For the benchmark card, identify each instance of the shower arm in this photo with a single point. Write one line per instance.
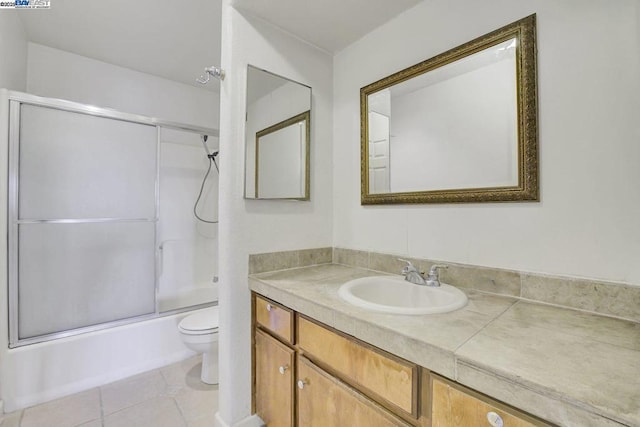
(216, 72)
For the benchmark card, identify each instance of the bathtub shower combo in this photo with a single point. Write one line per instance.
(112, 220)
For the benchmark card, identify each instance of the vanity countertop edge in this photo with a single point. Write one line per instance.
(567, 366)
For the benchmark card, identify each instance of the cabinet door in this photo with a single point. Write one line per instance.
(454, 406)
(274, 388)
(325, 401)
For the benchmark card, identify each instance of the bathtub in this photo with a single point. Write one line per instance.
(45, 371)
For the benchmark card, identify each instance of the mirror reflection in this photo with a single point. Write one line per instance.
(277, 139)
(458, 127)
(462, 114)
(281, 159)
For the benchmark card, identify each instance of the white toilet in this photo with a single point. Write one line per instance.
(199, 331)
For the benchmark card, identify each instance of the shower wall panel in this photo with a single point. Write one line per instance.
(188, 256)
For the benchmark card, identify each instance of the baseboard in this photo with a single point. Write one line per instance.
(250, 421)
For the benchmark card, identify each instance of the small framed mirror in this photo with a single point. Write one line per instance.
(278, 137)
(459, 127)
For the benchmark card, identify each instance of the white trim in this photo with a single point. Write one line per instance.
(250, 421)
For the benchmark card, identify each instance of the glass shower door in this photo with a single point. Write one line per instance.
(83, 213)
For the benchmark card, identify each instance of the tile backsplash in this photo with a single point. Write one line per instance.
(259, 263)
(607, 298)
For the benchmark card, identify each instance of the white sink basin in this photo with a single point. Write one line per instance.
(391, 294)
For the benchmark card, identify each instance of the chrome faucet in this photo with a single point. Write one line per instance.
(411, 274)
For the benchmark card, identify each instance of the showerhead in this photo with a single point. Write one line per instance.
(204, 138)
(211, 155)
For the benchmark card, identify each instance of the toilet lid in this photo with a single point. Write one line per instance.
(203, 321)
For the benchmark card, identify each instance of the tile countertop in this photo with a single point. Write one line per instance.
(569, 367)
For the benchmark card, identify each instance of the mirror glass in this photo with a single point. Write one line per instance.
(459, 127)
(277, 139)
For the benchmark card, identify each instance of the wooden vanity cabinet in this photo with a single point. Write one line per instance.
(308, 374)
(454, 405)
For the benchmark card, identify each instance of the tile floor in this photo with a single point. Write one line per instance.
(172, 396)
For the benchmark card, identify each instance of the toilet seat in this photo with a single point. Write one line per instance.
(202, 323)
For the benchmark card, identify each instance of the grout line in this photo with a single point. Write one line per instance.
(166, 383)
(101, 407)
(496, 317)
(521, 283)
(456, 360)
(581, 310)
(184, 419)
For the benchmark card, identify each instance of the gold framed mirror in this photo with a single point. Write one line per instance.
(458, 127)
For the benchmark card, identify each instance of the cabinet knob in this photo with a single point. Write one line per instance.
(269, 307)
(494, 419)
(283, 369)
(301, 384)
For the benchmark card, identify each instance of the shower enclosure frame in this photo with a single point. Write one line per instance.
(15, 100)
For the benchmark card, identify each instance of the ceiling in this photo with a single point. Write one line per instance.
(329, 24)
(158, 37)
(177, 39)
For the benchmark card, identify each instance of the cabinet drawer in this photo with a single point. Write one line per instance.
(325, 401)
(383, 376)
(274, 377)
(456, 406)
(274, 318)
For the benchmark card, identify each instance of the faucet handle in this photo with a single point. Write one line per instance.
(432, 278)
(407, 268)
(433, 271)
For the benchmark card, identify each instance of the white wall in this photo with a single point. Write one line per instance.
(252, 226)
(58, 74)
(13, 51)
(586, 223)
